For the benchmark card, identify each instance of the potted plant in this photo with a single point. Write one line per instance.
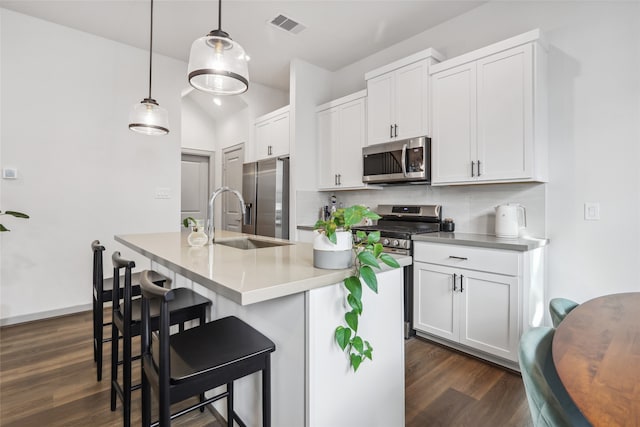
(197, 237)
(367, 253)
(14, 214)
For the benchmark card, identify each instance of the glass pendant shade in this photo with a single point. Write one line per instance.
(218, 65)
(148, 118)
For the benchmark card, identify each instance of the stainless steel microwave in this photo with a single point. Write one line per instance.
(397, 162)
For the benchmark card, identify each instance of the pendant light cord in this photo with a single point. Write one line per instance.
(150, 48)
(219, 15)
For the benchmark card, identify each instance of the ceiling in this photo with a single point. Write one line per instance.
(337, 33)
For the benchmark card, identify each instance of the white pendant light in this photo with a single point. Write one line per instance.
(217, 64)
(148, 117)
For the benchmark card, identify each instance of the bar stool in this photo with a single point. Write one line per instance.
(103, 293)
(559, 308)
(191, 362)
(126, 321)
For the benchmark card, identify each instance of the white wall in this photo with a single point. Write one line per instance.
(83, 175)
(198, 128)
(594, 132)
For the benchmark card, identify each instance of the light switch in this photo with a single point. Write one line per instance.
(163, 193)
(592, 211)
(9, 173)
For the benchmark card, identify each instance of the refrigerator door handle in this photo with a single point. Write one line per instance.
(247, 216)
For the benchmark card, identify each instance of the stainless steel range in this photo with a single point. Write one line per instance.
(397, 225)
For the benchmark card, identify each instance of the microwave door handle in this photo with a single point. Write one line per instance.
(404, 159)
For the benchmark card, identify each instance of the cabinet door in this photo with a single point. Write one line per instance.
(435, 306)
(327, 127)
(380, 95)
(453, 145)
(263, 136)
(489, 313)
(280, 135)
(411, 100)
(505, 114)
(350, 140)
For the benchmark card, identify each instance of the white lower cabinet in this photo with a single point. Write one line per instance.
(484, 311)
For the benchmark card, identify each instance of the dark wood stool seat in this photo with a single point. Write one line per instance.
(103, 293)
(191, 362)
(126, 321)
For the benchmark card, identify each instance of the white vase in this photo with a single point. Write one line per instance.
(197, 237)
(332, 256)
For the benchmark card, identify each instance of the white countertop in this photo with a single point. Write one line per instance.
(244, 276)
(521, 244)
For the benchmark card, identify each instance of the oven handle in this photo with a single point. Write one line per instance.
(404, 159)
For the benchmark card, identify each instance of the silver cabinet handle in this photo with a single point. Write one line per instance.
(335, 179)
(472, 164)
(339, 179)
(461, 279)
(390, 131)
(455, 277)
(458, 257)
(396, 130)
(404, 159)
(479, 168)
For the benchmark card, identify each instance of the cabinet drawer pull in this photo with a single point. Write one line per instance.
(396, 130)
(479, 168)
(455, 277)
(458, 257)
(472, 164)
(461, 279)
(390, 131)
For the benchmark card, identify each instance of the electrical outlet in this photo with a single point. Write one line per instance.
(163, 193)
(592, 211)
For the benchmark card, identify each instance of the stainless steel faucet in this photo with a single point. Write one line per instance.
(210, 230)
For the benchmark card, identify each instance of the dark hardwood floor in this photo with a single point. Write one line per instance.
(47, 378)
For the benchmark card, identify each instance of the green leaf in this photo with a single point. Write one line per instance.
(355, 303)
(373, 237)
(370, 214)
(352, 283)
(356, 360)
(367, 258)
(3, 228)
(343, 336)
(389, 260)
(377, 250)
(17, 214)
(367, 354)
(361, 235)
(331, 233)
(369, 278)
(357, 343)
(320, 224)
(352, 320)
(368, 345)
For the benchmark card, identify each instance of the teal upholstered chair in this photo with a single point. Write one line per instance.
(559, 308)
(549, 402)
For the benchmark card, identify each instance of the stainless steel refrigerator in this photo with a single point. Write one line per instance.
(265, 189)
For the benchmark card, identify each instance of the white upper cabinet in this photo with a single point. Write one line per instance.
(398, 98)
(272, 134)
(340, 138)
(489, 114)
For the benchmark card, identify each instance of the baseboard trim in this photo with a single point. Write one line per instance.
(24, 318)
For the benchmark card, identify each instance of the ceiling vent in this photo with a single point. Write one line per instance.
(287, 24)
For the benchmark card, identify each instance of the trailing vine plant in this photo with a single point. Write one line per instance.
(368, 254)
(13, 214)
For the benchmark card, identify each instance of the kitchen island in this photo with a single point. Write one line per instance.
(277, 290)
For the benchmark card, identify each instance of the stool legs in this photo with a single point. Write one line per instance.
(114, 364)
(97, 335)
(230, 404)
(146, 400)
(266, 393)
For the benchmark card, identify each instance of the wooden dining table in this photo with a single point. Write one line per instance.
(596, 351)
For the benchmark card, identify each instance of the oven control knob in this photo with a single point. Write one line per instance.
(396, 243)
(407, 244)
(385, 242)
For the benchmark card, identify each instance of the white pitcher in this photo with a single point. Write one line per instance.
(511, 220)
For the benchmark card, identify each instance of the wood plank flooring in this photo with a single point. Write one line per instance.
(47, 378)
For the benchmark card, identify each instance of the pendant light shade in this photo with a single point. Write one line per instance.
(217, 64)
(147, 117)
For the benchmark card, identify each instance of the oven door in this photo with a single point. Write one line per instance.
(396, 162)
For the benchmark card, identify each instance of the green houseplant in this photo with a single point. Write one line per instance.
(368, 254)
(197, 237)
(14, 214)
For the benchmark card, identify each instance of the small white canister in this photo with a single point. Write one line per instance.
(333, 256)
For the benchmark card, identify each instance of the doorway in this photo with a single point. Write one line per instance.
(232, 160)
(196, 183)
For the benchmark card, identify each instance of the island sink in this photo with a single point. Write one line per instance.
(246, 243)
